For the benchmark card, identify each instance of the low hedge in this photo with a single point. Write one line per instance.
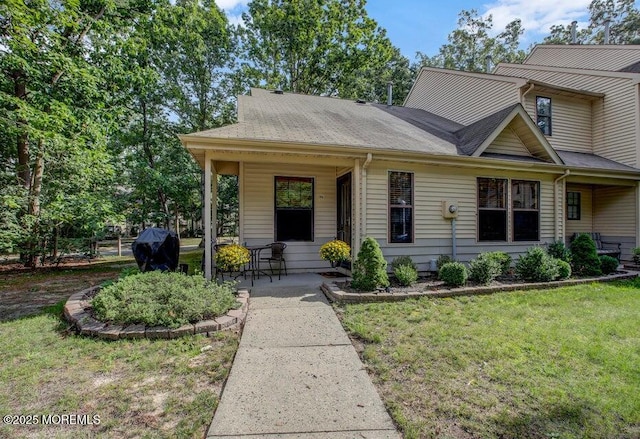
(163, 299)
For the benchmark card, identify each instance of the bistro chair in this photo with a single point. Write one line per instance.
(277, 255)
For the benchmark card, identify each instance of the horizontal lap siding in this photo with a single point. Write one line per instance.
(613, 127)
(432, 231)
(570, 122)
(585, 224)
(258, 208)
(463, 99)
(598, 58)
(508, 142)
(614, 216)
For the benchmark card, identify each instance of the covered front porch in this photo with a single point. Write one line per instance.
(301, 200)
(605, 206)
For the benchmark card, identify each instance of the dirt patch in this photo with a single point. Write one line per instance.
(25, 292)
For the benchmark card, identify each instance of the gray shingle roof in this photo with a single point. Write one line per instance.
(313, 120)
(591, 161)
(466, 138)
(317, 120)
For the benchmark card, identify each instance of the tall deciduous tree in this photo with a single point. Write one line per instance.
(471, 43)
(321, 47)
(624, 25)
(51, 103)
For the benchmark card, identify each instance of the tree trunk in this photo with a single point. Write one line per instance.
(34, 204)
(23, 170)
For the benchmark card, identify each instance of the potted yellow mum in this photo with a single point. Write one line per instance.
(335, 251)
(232, 257)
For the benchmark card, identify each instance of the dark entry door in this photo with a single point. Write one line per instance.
(344, 208)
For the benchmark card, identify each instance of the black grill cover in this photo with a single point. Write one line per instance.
(156, 249)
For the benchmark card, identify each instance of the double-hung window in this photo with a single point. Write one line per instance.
(293, 209)
(543, 114)
(494, 209)
(400, 206)
(526, 210)
(573, 206)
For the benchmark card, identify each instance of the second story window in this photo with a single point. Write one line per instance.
(543, 114)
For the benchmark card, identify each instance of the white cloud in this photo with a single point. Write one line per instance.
(538, 15)
(229, 5)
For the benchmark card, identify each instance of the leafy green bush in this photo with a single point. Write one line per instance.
(636, 255)
(502, 258)
(443, 259)
(370, 268)
(162, 299)
(454, 274)
(564, 269)
(406, 274)
(558, 250)
(537, 266)
(484, 269)
(403, 260)
(608, 264)
(585, 260)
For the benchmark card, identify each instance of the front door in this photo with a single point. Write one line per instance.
(344, 208)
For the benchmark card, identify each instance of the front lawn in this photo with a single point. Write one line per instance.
(137, 388)
(561, 363)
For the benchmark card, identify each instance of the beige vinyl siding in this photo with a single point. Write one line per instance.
(432, 232)
(585, 224)
(461, 98)
(593, 57)
(508, 142)
(570, 121)
(614, 216)
(614, 211)
(613, 129)
(258, 208)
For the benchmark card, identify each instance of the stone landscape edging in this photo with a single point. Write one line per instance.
(335, 294)
(77, 307)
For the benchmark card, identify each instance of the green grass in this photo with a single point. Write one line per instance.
(562, 363)
(138, 388)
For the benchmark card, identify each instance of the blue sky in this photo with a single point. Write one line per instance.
(423, 25)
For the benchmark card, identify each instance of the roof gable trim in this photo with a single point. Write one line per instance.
(519, 112)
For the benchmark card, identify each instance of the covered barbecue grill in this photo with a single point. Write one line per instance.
(156, 249)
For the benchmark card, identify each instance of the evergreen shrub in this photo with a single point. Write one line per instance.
(370, 268)
(585, 261)
(453, 274)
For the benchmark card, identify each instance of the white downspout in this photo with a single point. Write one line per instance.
(365, 165)
(357, 209)
(556, 235)
(531, 87)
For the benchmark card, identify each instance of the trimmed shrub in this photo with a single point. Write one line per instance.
(537, 266)
(502, 258)
(484, 269)
(608, 264)
(406, 275)
(585, 260)
(163, 299)
(370, 268)
(558, 250)
(636, 255)
(564, 269)
(443, 259)
(453, 274)
(403, 260)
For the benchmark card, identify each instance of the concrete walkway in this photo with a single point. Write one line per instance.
(296, 373)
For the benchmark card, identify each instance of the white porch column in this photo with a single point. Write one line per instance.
(210, 215)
